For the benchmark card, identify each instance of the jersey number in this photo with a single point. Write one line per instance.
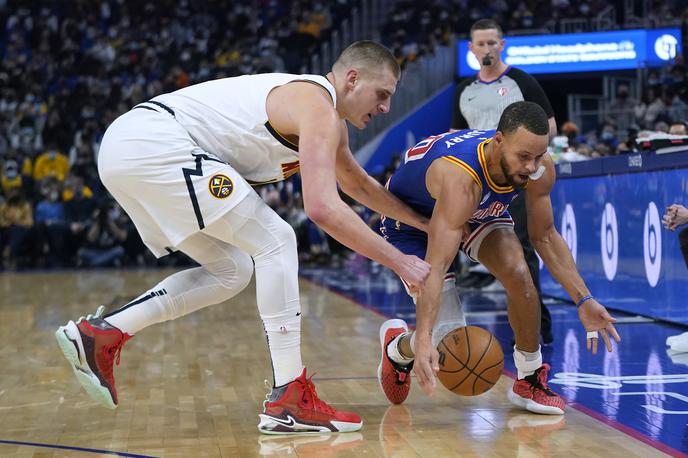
(422, 147)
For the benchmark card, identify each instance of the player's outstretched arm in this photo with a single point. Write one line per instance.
(456, 197)
(306, 111)
(357, 184)
(555, 254)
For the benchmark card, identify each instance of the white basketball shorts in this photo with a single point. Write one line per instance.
(166, 183)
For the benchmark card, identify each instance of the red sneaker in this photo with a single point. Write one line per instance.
(533, 394)
(394, 379)
(296, 408)
(92, 346)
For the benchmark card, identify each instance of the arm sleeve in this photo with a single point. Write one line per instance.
(532, 91)
(458, 121)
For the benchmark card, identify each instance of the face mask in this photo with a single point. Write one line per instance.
(54, 195)
(607, 135)
(653, 81)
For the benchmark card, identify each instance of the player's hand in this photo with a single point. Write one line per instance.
(669, 218)
(597, 321)
(676, 215)
(413, 271)
(426, 364)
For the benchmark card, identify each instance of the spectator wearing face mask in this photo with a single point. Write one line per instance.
(621, 108)
(608, 137)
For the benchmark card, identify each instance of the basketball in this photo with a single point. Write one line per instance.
(471, 361)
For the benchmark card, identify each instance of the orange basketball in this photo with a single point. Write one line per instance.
(471, 361)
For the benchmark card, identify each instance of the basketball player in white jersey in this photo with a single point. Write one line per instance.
(182, 165)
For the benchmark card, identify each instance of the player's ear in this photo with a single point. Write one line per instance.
(499, 137)
(352, 77)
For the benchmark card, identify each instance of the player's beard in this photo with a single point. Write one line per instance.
(487, 60)
(508, 176)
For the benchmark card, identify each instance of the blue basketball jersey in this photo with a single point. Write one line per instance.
(464, 149)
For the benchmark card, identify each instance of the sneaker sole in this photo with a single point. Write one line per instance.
(69, 341)
(532, 406)
(394, 323)
(272, 426)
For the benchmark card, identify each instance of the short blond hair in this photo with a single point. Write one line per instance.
(367, 55)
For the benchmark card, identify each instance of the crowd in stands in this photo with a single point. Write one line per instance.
(69, 68)
(662, 108)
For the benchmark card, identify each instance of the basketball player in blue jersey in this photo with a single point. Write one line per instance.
(464, 182)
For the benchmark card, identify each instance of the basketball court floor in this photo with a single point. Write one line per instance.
(194, 387)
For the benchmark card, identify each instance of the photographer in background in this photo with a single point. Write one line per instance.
(105, 238)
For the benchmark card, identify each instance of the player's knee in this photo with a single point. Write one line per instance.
(233, 274)
(284, 239)
(244, 271)
(518, 280)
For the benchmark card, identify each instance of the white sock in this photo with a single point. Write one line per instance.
(527, 362)
(394, 353)
(283, 332)
(271, 242)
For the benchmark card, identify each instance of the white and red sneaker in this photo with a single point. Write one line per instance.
(92, 346)
(394, 379)
(295, 408)
(533, 394)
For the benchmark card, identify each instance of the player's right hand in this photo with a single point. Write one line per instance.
(426, 365)
(413, 271)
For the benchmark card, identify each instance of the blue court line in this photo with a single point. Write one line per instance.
(78, 449)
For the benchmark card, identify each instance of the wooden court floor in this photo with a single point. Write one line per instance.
(194, 387)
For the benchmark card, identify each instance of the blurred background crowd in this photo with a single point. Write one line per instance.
(69, 68)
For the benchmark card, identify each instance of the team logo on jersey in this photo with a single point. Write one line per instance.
(220, 186)
(502, 91)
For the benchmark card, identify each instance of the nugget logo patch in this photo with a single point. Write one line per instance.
(220, 186)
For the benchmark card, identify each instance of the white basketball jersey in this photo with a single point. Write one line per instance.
(228, 118)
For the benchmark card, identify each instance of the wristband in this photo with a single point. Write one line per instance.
(583, 299)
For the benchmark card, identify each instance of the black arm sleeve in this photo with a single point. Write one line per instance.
(531, 89)
(458, 121)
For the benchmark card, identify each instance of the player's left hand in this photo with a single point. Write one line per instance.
(597, 321)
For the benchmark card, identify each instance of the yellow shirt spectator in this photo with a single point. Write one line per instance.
(19, 213)
(51, 164)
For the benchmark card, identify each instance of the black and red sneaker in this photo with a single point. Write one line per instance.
(295, 408)
(92, 346)
(394, 378)
(533, 394)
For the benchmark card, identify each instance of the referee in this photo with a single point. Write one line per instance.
(478, 104)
